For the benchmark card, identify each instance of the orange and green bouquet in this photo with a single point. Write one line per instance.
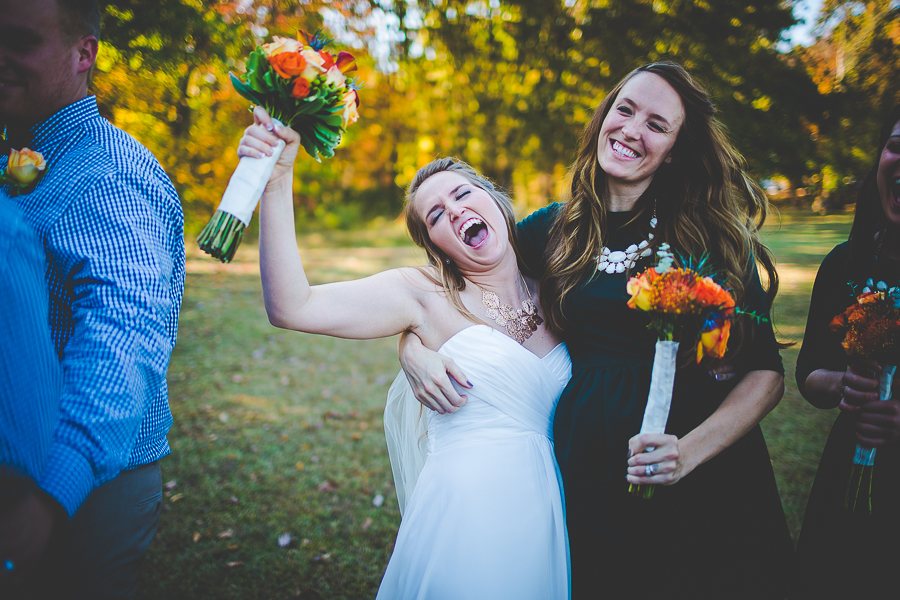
(686, 306)
(871, 330)
(303, 86)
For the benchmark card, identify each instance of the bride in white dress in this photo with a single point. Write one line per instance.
(485, 517)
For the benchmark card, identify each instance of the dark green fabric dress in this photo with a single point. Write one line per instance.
(718, 533)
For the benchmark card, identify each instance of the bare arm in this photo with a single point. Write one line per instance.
(429, 375)
(752, 398)
(825, 389)
(377, 306)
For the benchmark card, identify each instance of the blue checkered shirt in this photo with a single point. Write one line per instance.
(30, 377)
(113, 232)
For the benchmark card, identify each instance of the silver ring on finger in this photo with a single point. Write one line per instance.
(650, 470)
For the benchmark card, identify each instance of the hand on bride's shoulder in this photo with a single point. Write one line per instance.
(262, 138)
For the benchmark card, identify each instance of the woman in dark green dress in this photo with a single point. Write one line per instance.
(653, 153)
(843, 555)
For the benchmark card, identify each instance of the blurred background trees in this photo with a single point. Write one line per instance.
(507, 85)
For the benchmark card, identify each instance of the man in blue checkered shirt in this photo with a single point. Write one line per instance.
(112, 227)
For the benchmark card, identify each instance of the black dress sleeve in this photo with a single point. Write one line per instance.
(531, 238)
(821, 348)
(760, 351)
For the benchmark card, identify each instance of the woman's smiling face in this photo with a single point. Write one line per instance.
(463, 220)
(888, 177)
(639, 132)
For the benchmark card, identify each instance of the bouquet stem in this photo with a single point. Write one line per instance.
(659, 400)
(858, 498)
(221, 236)
(643, 491)
(224, 232)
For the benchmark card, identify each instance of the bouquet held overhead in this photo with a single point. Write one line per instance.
(302, 86)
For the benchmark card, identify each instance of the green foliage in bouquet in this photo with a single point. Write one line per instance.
(304, 87)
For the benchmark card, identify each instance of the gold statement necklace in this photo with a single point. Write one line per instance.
(520, 323)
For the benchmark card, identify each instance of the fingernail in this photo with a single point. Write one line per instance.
(469, 383)
(270, 127)
(629, 453)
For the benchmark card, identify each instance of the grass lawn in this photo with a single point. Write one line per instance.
(279, 484)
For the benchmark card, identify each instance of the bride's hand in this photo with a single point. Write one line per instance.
(261, 138)
(657, 454)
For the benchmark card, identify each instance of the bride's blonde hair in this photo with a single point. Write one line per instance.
(449, 277)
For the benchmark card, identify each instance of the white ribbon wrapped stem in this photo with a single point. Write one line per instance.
(662, 380)
(866, 456)
(248, 182)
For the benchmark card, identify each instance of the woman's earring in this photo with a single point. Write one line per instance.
(447, 261)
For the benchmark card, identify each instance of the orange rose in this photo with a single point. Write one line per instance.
(641, 290)
(868, 297)
(280, 44)
(288, 64)
(838, 322)
(710, 293)
(25, 166)
(714, 343)
(300, 89)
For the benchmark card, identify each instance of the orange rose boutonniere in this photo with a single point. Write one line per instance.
(24, 169)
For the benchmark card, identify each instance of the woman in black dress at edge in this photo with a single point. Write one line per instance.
(841, 555)
(715, 526)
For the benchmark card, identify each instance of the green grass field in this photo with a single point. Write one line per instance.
(279, 484)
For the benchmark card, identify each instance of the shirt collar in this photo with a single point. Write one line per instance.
(63, 123)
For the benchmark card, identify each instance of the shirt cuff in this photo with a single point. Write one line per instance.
(68, 477)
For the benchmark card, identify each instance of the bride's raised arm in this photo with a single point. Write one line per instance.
(378, 306)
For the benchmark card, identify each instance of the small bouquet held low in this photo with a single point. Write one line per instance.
(302, 86)
(687, 306)
(871, 330)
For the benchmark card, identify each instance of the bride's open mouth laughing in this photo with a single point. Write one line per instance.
(473, 232)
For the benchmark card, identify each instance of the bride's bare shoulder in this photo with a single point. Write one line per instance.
(425, 280)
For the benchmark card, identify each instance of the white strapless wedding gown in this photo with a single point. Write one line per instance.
(486, 518)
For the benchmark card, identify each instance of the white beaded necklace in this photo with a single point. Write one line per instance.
(619, 260)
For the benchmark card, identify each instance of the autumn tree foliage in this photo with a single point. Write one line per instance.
(855, 64)
(506, 85)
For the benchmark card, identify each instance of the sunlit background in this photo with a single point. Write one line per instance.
(279, 484)
(505, 85)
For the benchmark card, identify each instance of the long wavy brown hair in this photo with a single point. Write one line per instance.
(704, 200)
(449, 276)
